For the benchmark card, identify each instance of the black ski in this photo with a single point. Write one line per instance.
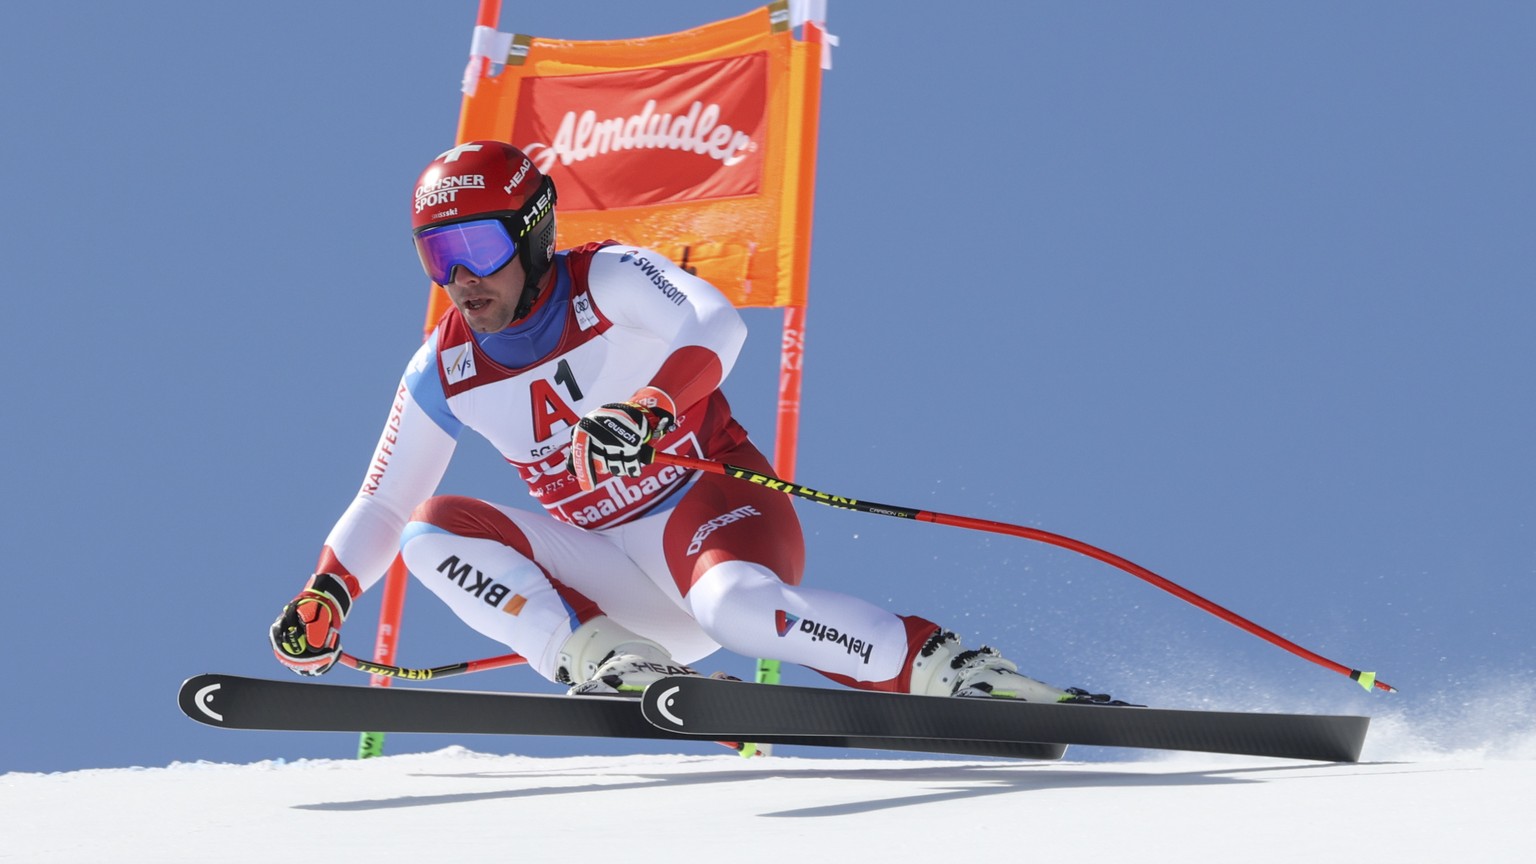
(705, 707)
(235, 702)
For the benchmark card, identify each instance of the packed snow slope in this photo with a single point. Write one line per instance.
(1399, 805)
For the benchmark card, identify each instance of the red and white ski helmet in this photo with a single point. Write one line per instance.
(490, 180)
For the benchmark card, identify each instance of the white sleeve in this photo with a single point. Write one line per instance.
(412, 454)
(642, 289)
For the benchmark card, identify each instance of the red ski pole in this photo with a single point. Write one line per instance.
(1365, 679)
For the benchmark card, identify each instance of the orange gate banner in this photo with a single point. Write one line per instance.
(700, 144)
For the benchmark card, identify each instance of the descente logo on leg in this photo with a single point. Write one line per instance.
(717, 523)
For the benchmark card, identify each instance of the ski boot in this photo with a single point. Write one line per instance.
(602, 658)
(943, 668)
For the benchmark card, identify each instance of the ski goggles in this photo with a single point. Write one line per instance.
(481, 246)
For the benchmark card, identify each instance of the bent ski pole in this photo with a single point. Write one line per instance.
(451, 669)
(1365, 679)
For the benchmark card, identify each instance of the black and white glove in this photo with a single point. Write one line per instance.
(609, 440)
(306, 637)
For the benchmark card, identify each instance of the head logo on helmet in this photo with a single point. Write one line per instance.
(488, 180)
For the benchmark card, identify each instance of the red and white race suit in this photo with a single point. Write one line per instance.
(692, 562)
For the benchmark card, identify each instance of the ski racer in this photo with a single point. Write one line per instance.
(568, 362)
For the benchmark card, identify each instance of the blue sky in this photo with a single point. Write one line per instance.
(1240, 292)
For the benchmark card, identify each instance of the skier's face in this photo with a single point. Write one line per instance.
(488, 303)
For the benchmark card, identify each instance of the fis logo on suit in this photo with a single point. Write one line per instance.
(458, 363)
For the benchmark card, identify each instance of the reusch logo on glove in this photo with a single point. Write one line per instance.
(622, 430)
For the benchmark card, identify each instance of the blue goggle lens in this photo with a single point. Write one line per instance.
(482, 247)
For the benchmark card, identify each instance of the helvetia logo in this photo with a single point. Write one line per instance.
(818, 632)
(784, 622)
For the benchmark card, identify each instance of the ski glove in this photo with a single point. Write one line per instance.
(609, 440)
(306, 637)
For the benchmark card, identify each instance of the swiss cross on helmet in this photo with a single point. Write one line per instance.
(478, 205)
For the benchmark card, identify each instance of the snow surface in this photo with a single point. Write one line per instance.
(457, 805)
